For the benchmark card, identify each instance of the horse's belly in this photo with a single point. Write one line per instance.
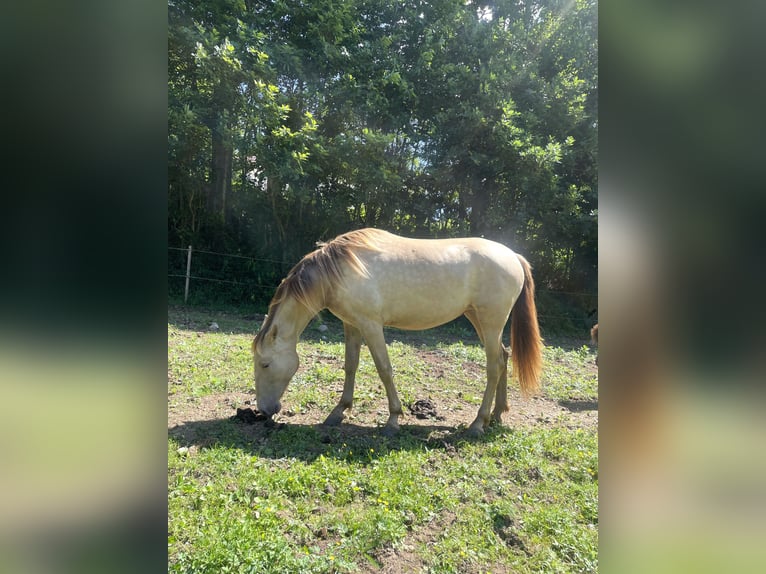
(409, 308)
(423, 312)
(419, 323)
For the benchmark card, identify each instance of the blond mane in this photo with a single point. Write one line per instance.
(321, 271)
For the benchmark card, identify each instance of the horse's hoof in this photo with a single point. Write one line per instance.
(474, 432)
(333, 421)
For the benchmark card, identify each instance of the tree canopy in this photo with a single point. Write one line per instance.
(291, 121)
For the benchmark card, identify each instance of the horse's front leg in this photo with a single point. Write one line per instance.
(376, 342)
(353, 345)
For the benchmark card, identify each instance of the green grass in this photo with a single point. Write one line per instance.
(564, 376)
(303, 499)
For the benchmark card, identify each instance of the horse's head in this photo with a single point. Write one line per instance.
(275, 363)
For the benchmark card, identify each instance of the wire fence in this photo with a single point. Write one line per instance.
(186, 249)
(198, 275)
(265, 274)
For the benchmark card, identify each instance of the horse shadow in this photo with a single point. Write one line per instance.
(579, 405)
(307, 442)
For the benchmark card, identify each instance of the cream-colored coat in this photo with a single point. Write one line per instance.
(371, 278)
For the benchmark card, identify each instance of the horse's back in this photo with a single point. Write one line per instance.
(422, 283)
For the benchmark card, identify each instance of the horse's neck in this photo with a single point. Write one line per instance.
(292, 319)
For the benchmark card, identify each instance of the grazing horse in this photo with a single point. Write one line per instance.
(370, 278)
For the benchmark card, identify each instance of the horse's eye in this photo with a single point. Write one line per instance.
(264, 365)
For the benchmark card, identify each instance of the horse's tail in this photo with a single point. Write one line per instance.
(526, 344)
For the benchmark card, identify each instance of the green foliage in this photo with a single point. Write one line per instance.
(291, 122)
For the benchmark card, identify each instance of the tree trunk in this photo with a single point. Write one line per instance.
(274, 189)
(478, 200)
(220, 172)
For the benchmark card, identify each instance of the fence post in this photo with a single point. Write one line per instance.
(188, 272)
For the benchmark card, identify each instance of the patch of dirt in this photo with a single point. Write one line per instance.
(400, 560)
(505, 528)
(404, 558)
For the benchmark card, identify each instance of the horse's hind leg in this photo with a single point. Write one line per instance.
(490, 335)
(498, 381)
(501, 398)
(353, 345)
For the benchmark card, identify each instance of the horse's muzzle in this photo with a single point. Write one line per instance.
(269, 409)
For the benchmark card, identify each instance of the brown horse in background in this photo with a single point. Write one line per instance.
(594, 338)
(370, 278)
